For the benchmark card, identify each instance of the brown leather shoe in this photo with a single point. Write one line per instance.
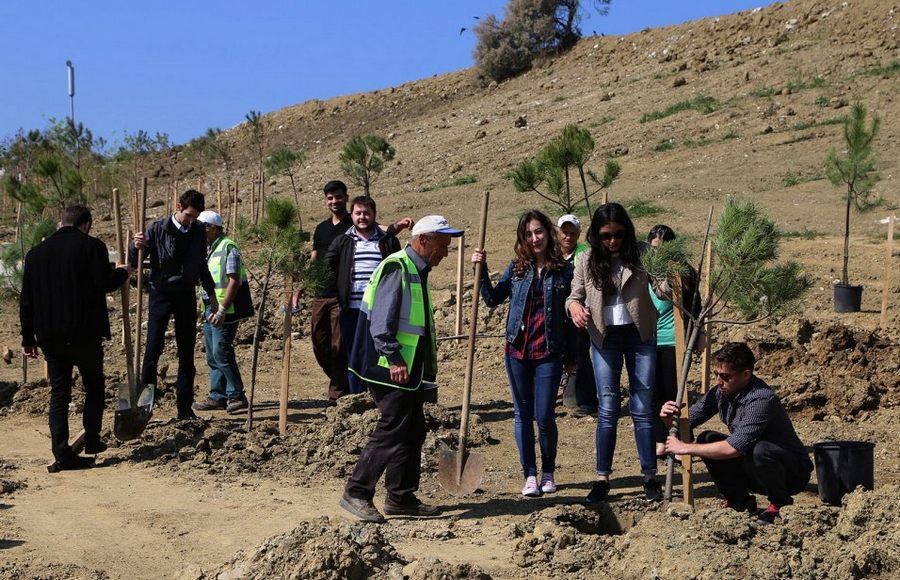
(362, 508)
(413, 508)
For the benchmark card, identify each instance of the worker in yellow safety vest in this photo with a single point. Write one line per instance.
(232, 292)
(394, 353)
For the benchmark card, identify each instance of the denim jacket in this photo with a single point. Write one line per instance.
(557, 283)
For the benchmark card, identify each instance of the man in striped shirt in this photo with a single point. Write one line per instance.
(352, 258)
(761, 454)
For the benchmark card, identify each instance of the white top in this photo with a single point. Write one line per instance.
(614, 311)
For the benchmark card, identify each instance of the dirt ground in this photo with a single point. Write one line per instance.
(205, 499)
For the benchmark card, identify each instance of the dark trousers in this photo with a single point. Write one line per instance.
(394, 448)
(327, 346)
(585, 385)
(665, 388)
(61, 358)
(769, 470)
(182, 306)
(349, 318)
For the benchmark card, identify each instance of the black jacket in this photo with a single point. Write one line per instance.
(339, 260)
(177, 260)
(64, 288)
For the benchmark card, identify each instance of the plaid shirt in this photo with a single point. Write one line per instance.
(531, 343)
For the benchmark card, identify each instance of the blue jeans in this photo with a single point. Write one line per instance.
(624, 342)
(348, 319)
(224, 375)
(534, 384)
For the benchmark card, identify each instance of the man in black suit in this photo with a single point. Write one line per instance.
(62, 310)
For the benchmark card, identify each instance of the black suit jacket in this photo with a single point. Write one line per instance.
(64, 287)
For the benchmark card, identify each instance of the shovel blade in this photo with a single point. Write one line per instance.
(130, 422)
(460, 482)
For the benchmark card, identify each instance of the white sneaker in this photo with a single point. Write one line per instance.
(548, 485)
(531, 488)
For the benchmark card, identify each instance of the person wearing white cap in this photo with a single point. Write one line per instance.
(395, 353)
(232, 292)
(583, 381)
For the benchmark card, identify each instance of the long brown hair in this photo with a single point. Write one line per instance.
(524, 255)
(599, 263)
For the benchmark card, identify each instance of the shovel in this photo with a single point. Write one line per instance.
(460, 472)
(133, 411)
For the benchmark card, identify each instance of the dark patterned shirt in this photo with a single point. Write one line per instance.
(755, 414)
(531, 343)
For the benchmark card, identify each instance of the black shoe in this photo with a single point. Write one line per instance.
(364, 509)
(652, 490)
(599, 492)
(74, 462)
(95, 446)
(414, 508)
(235, 405)
(746, 504)
(767, 516)
(210, 404)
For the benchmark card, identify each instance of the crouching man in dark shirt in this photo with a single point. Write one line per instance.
(762, 454)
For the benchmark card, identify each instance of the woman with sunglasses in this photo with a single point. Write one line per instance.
(610, 298)
(537, 283)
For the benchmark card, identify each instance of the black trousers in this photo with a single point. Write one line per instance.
(61, 358)
(394, 448)
(665, 388)
(182, 306)
(585, 385)
(769, 470)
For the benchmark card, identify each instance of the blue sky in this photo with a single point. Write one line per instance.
(181, 66)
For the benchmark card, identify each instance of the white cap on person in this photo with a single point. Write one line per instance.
(211, 218)
(435, 224)
(569, 219)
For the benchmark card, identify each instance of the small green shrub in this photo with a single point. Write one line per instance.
(638, 208)
(730, 135)
(791, 179)
(665, 145)
(804, 234)
(559, 98)
(599, 122)
(810, 124)
(701, 142)
(763, 92)
(461, 180)
(821, 101)
(702, 103)
(797, 83)
(887, 70)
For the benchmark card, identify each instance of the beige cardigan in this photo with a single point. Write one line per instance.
(635, 295)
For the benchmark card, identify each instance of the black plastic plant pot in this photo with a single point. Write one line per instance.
(847, 298)
(842, 466)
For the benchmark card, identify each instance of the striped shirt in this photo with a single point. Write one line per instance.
(531, 343)
(755, 414)
(366, 257)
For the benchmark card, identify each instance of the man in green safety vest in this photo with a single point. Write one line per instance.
(226, 390)
(394, 354)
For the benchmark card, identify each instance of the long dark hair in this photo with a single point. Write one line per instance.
(524, 255)
(599, 263)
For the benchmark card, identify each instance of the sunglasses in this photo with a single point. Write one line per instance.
(607, 236)
(724, 376)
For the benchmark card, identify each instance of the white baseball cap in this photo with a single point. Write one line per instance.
(569, 219)
(435, 224)
(211, 218)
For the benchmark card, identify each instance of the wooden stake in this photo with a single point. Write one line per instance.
(219, 196)
(18, 219)
(286, 355)
(886, 277)
(234, 207)
(262, 191)
(684, 427)
(174, 196)
(461, 259)
(24, 369)
(253, 200)
(706, 356)
(604, 197)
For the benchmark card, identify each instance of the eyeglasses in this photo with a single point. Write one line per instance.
(724, 376)
(607, 236)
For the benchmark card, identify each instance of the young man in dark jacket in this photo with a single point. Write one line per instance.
(176, 248)
(62, 310)
(351, 259)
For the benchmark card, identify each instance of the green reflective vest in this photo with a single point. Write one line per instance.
(413, 324)
(216, 261)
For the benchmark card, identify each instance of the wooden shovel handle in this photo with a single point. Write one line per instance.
(126, 302)
(473, 330)
(139, 227)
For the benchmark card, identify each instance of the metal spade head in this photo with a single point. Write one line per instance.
(130, 421)
(460, 472)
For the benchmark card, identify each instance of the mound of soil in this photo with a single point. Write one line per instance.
(835, 370)
(858, 540)
(32, 398)
(31, 571)
(9, 486)
(320, 549)
(324, 447)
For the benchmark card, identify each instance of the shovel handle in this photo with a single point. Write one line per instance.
(126, 315)
(139, 227)
(473, 331)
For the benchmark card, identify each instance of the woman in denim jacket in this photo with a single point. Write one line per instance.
(537, 283)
